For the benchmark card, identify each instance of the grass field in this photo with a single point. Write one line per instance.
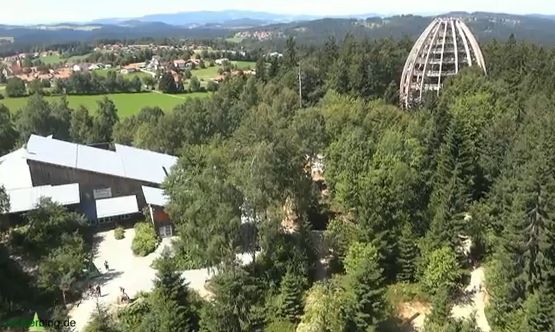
(206, 73)
(51, 59)
(55, 59)
(104, 73)
(77, 58)
(236, 40)
(244, 64)
(209, 73)
(126, 103)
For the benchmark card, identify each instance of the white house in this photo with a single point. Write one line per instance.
(222, 61)
(96, 66)
(180, 63)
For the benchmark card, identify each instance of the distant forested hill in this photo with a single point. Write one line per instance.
(485, 26)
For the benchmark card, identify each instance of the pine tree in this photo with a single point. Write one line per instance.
(261, 69)
(441, 306)
(369, 295)
(528, 239)
(167, 83)
(366, 282)
(408, 252)
(453, 187)
(291, 297)
(539, 311)
(104, 121)
(101, 321)
(169, 302)
(233, 305)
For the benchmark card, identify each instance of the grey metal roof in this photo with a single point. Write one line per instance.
(145, 165)
(27, 199)
(99, 161)
(125, 161)
(116, 206)
(52, 151)
(155, 196)
(14, 171)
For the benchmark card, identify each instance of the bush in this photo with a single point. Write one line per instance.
(212, 86)
(145, 240)
(119, 233)
(184, 259)
(441, 270)
(280, 326)
(15, 87)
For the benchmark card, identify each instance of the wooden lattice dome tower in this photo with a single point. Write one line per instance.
(446, 46)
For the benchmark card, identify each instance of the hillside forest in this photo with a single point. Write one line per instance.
(410, 200)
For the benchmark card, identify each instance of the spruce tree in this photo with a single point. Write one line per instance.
(236, 295)
(169, 301)
(441, 306)
(529, 225)
(261, 69)
(539, 311)
(408, 252)
(167, 83)
(366, 285)
(101, 321)
(291, 297)
(453, 186)
(369, 295)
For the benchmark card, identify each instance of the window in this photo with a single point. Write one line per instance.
(165, 231)
(102, 193)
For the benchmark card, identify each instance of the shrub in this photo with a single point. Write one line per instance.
(185, 260)
(441, 270)
(145, 240)
(15, 87)
(119, 233)
(280, 326)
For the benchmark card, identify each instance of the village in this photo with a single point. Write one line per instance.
(50, 65)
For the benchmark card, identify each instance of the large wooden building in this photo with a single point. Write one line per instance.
(105, 184)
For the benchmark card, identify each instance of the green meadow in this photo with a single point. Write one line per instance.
(126, 103)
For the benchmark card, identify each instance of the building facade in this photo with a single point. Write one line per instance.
(105, 184)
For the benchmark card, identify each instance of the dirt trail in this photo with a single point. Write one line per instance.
(473, 301)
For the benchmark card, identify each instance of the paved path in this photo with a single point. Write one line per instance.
(133, 273)
(126, 270)
(475, 294)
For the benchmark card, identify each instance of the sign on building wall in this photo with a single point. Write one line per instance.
(102, 193)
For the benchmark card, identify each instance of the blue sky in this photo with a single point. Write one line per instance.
(48, 11)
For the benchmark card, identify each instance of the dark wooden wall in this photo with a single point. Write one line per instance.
(48, 174)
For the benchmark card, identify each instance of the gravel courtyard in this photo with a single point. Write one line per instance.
(126, 270)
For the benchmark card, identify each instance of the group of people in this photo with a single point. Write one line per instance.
(94, 291)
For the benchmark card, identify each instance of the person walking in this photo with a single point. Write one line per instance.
(106, 265)
(98, 290)
(91, 291)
